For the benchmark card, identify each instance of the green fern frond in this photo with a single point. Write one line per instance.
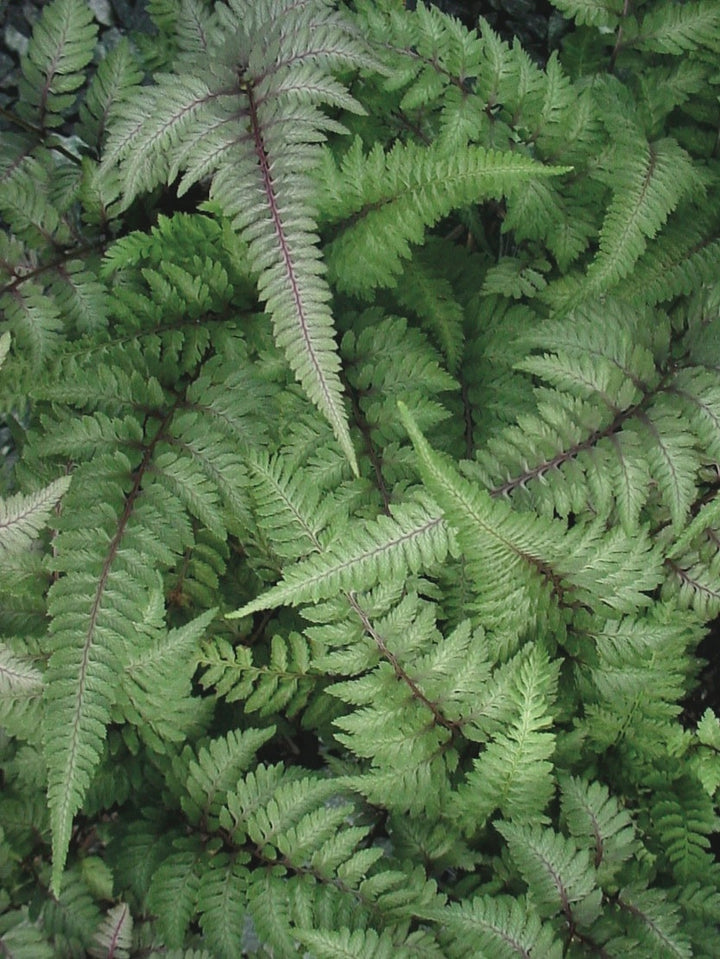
(635, 684)
(559, 876)
(513, 772)
(655, 923)
(188, 122)
(498, 927)
(604, 14)
(62, 45)
(683, 262)
(174, 890)
(266, 683)
(116, 77)
(595, 818)
(683, 817)
(209, 778)
(23, 938)
(222, 905)
(360, 944)
(707, 758)
(156, 681)
(413, 537)
(72, 918)
(270, 801)
(425, 290)
(647, 190)
(511, 551)
(390, 199)
(618, 432)
(385, 361)
(680, 28)
(17, 676)
(287, 506)
(22, 517)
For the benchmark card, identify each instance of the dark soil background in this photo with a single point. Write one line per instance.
(537, 26)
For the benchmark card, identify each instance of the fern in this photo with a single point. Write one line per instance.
(413, 537)
(53, 68)
(396, 196)
(279, 100)
(379, 628)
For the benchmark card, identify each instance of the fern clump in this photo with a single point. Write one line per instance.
(364, 524)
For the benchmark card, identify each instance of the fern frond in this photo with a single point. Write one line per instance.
(287, 506)
(22, 517)
(268, 804)
(618, 433)
(391, 199)
(174, 889)
(360, 944)
(683, 817)
(511, 551)
(425, 290)
(655, 922)
(647, 190)
(683, 262)
(414, 537)
(114, 937)
(18, 678)
(498, 927)
(385, 361)
(24, 938)
(73, 917)
(559, 876)
(259, 174)
(209, 778)
(595, 818)
(707, 759)
(513, 773)
(62, 45)
(636, 681)
(88, 634)
(116, 77)
(222, 905)
(264, 683)
(156, 681)
(604, 14)
(678, 29)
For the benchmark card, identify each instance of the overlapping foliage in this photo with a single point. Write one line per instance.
(365, 522)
